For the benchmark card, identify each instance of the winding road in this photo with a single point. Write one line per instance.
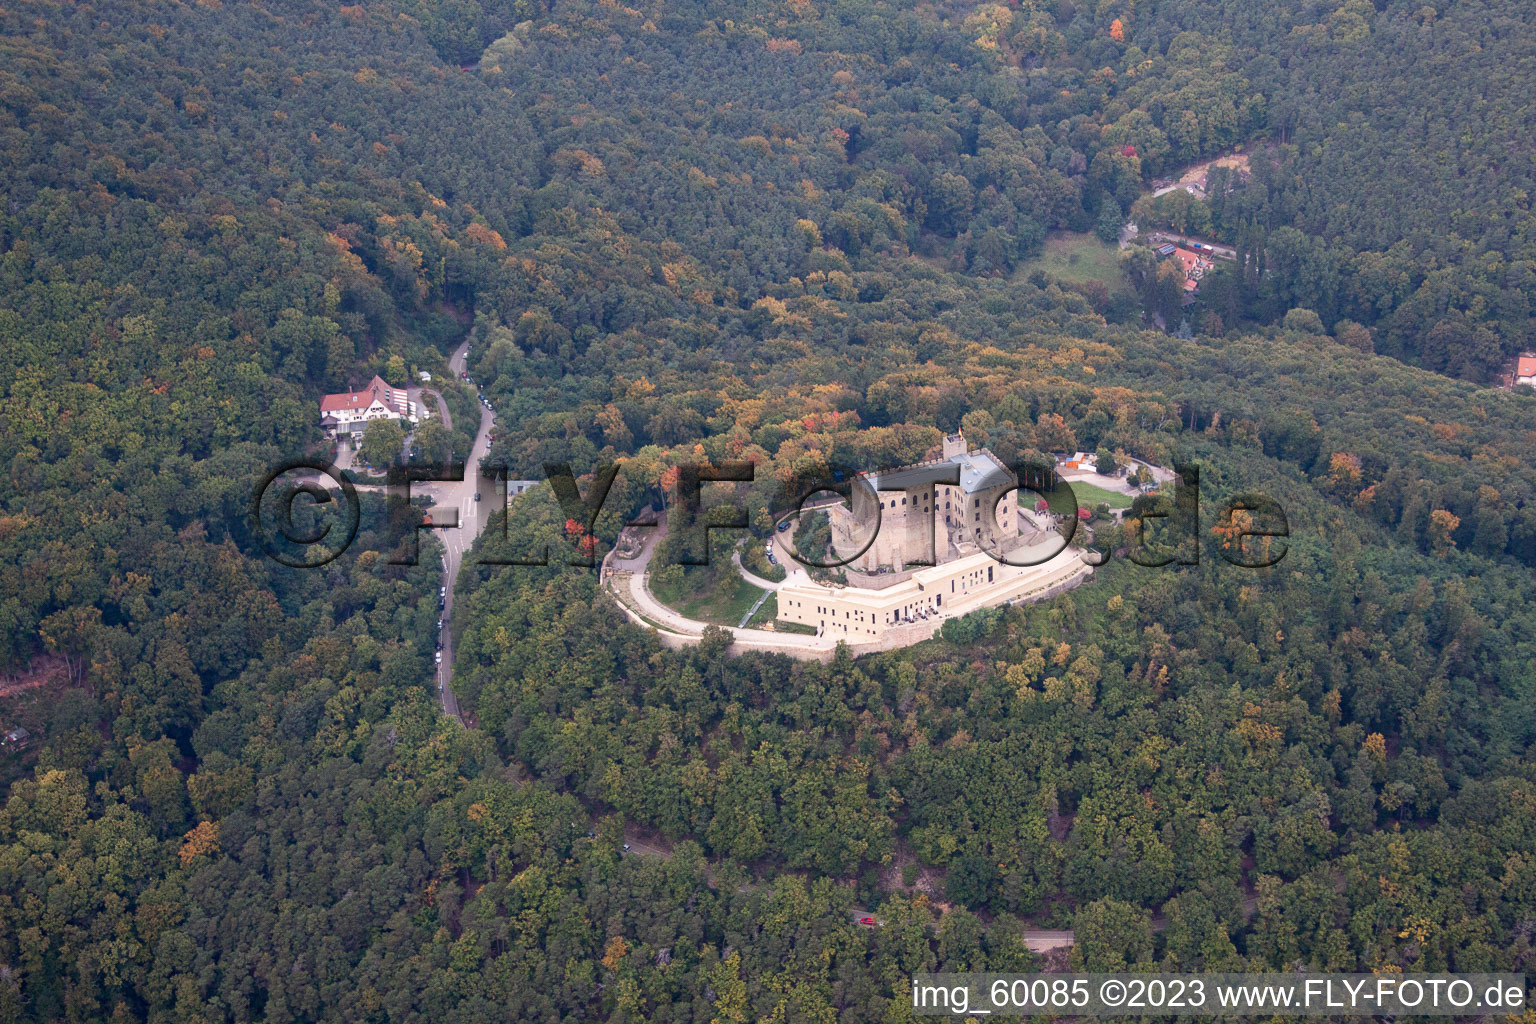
(643, 608)
(1037, 940)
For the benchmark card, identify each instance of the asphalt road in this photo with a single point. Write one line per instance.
(459, 496)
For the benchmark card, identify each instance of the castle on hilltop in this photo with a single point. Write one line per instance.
(930, 513)
(942, 528)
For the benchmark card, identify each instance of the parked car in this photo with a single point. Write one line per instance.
(783, 525)
(438, 657)
(477, 495)
(868, 922)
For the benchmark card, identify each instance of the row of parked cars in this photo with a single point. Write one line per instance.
(768, 548)
(485, 403)
(442, 604)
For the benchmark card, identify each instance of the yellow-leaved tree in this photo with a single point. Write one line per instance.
(204, 838)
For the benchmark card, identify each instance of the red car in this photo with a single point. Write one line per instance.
(868, 922)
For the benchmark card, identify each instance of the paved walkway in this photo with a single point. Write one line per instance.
(753, 610)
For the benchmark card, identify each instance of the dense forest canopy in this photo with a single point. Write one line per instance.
(782, 232)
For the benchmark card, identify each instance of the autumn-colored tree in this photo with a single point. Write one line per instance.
(1442, 524)
(486, 236)
(614, 953)
(1117, 30)
(202, 839)
(1344, 473)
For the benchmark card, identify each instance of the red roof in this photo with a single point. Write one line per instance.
(1526, 367)
(374, 390)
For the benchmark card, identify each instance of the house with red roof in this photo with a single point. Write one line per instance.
(1194, 266)
(1525, 369)
(350, 411)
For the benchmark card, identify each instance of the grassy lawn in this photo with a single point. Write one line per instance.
(769, 612)
(698, 597)
(1076, 258)
(1089, 496)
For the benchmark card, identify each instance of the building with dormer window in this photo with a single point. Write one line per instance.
(350, 411)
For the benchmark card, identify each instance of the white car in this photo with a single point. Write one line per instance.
(438, 657)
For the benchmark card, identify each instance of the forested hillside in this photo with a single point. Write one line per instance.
(786, 233)
(1398, 196)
